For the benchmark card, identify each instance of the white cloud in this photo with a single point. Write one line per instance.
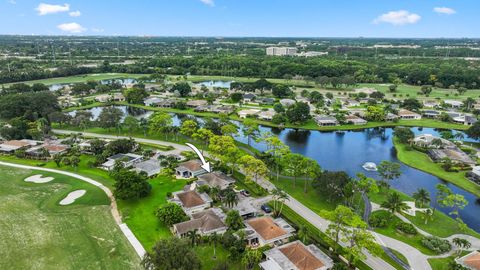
(73, 28)
(75, 13)
(44, 9)
(98, 30)
(13, 2)
(208, 2)
(444, 10)
(400, 17)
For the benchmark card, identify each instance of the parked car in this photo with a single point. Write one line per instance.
(245, 193)
(266, 209)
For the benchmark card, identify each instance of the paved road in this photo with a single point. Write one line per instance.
(416, 259)
(113, 204)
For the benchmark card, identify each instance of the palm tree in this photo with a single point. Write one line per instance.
(427, 215)
(193, 236)
(282, 197)
(422, 197)
(461, 244)
(231, 198)
(214, 192)
(144, 126)
(394, 203)
(302, 233)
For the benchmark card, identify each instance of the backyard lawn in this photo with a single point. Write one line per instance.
(422, 162)
(37, 233)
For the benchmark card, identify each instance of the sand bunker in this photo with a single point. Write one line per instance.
(38, 179)
(72, 196)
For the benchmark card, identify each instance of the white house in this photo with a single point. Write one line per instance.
(406, 114)
(127, 160)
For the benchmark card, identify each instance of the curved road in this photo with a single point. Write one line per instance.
(113, 204)
(416, 259)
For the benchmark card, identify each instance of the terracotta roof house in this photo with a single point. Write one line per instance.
(189, 169)
(216, 179)
(265, 230)
(355, 120)
(296, 255)
(406, 114)
(13, 145)
(205, 222)
(191, 201)
(471, 261)
(53, 149)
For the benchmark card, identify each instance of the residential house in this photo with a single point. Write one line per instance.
(286, 102)
(355, 120)
(164, 103)
(53, 149)
(470, 261)
(191, 201)
(296, 255)
(150, 167)
(324, 120)
(13, 145)
(151, 101)
(205, 222)
(391, 117)
(406, 114)
(265, 230)
(118, 97)
(474, 174)
(266, 115)
(430, 103)
(427, 141)
(216, 179)
(190, 169)
(196, 103)
(248, 112)
(351, 103)
(249, 97)
(431, 114)
(225, 109)
(266, 101)
(127, 160)
(454, 103)
(470, 120)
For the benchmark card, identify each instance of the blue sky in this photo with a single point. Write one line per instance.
(269, 18)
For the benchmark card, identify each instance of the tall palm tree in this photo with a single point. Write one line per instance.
(282, 197)
(422, 197)
(231, 198)
(193, 236)
(461, 244)
(302, 233)
(427, 215)
(394, 203)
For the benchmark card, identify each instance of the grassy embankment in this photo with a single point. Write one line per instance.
(422, 162)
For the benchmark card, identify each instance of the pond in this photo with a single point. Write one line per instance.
(136, 112)
(219, 84)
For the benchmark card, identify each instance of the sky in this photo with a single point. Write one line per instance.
(244, 18)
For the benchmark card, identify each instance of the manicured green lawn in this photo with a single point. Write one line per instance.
(84, 78)
(205, 252)
(422, 162)
(412, 240)
(140, 214)
(37, 233)
(443, 263)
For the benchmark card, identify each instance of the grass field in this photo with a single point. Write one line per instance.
(37, 233)
(422, 162)
(83, 78)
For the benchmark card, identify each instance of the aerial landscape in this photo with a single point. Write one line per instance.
(220, 134)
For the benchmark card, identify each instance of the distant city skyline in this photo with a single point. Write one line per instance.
(246, 18)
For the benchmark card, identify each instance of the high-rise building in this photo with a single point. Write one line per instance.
(281, 51)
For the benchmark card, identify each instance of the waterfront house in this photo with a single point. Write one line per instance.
(127, 160)
(189, 169)
(205, 222)
(406, 114)
(431, 114)
(191, 201)
(266, 115)
(117, 97)
(216, 179)
(391, 117)
(265, 230)
(296, 255)
(323, 120)
(355, 120)
(248, 112)
(196, 103)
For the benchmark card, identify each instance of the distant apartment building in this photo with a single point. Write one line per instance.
(281, 51)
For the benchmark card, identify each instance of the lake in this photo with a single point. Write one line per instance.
(127, 110)
(220, 84)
